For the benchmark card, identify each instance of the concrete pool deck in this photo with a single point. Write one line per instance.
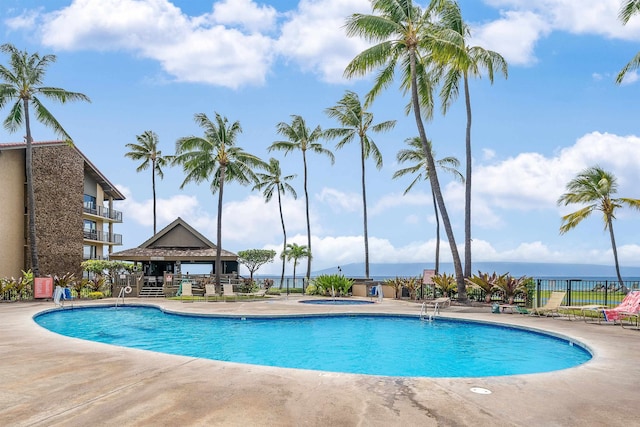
(47, 380)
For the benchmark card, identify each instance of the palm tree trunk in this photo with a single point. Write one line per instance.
(467, 187)
(295, 262)
(435, 209)
(306, 198)
(153, 186)
(31, 198)
(364, 210)
(435, 184)
(615, 254)
(284, 233)
(219, 234)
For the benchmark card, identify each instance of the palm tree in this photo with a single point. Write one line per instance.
(147, 150)
(402, 33)
(272, 180)
(21, 81)
(459, 62)
(216, 157)
(628, 9)
(294, 252)
(300, 137)
(416, 155)
(357, 123)
(595, 188)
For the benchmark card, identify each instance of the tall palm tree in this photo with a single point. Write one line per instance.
(357, 123)
(415, 154)
(147, 150)
(294, 252)
(300, 137)
(272, 180)
(594, 187)
(403, 35)
(216, 157)
(628, 9)
(460, 62)
(22, 81)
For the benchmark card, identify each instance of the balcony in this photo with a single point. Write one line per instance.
(103, 237)
(106, 213)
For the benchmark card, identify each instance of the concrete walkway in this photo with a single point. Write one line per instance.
(48, 380)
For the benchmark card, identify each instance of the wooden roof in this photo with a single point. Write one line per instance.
(178, 241)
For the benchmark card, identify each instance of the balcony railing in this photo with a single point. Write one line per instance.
(101, 236)
(103, 212)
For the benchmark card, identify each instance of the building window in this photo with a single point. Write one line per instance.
(90, 230)
(90, 204)
(89, 252)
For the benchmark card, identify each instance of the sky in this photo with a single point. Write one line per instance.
(154, 64)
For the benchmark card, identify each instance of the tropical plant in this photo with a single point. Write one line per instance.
(96, 284)
(95, 295)
(21, 82)
(396, 283)
(294, 252)
(6, 288)
(217, 158)
(485, 282)
(460, 61)
(147, 150)
(333, 283)
(269, 181)
(595, 187)
(400, 33)
(78, 286)
(446, 284)
(300, 137)
(628, 9)
(21, 288)
(415, 154)
(413, 285)
(64, 281)
(511, 286)
(107, 268)
(357, 124)
(253, 259)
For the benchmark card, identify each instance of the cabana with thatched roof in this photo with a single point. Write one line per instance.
(177, 243)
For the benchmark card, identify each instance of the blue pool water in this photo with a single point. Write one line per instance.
(335, 302)
(376, 345)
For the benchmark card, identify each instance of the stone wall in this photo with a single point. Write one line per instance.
(58, 175)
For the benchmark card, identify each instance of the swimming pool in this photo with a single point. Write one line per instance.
(335, 302)
(364, 344)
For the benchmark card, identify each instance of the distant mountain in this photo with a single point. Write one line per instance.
(532, 269)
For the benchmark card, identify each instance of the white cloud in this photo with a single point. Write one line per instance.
(245, 13)
(513, 36)
(630, 78)
(314, 37)
(190, 49)
(340, 201)
(531, 181)
(394, 200)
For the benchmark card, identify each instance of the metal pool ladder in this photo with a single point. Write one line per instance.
(424, 313)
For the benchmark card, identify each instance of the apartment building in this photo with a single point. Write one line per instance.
(74, 209)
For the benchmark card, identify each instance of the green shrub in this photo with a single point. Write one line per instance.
(337, 282)
(96, 295)
(311, 289)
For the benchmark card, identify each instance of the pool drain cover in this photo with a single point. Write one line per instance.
(480, 390)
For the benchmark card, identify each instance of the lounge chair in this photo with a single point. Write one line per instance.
(628, 308)
(582, 309)
(252, 295)
(227, 289)
(186, 291)
(438, 303)
(210, 292)
(551, 306)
